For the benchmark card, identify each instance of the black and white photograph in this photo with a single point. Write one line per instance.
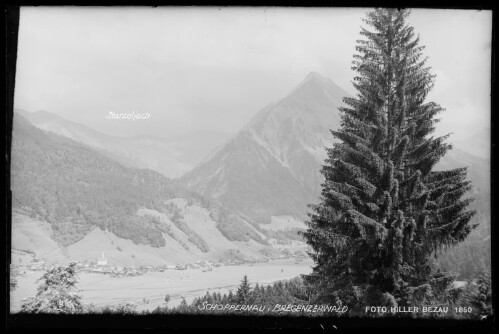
(289, 162)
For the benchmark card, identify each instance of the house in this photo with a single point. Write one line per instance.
(102, 261)
(272, 241)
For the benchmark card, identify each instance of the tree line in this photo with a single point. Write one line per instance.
(58, 294)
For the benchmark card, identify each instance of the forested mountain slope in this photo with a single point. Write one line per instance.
(76, 190)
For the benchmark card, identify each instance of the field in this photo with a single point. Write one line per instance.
(148, 291)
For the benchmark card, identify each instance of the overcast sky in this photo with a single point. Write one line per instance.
(213, 69)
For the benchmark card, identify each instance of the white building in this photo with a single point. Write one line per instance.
(102, 261)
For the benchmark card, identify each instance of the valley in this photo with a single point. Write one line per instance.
(148, 290)
(233, 207)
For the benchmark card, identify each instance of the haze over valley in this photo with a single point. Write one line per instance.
(250, 175)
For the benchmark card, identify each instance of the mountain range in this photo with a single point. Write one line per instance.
(266, 173)
(271, 166)
(171, 157)
(71, 202)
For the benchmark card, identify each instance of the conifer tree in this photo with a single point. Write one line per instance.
(383, 211)
(57, 293)
(243, 291)
(255, 295)
(183, 307)
(482, 300)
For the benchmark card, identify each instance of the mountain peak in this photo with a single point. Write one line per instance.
(314, 76)
(282, 148)
(315, 81)
(316, 94)
(315, 88)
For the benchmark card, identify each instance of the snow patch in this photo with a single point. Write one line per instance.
(281, 223)
(267, 147)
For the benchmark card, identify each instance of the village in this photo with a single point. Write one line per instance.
(103, 266)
